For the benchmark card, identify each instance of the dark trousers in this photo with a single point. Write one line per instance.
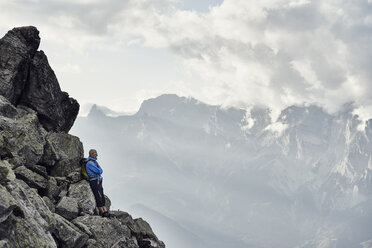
(97, 189)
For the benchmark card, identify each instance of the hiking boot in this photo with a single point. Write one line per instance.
(105, 214)
(108, 215)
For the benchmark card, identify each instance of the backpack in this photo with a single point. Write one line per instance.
(83, 164)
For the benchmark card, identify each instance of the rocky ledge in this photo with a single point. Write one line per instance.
(44, 202)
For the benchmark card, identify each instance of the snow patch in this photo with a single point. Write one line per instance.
(364, 114)
(344, 169)
(370, 163)
(247, 121)
(277, 127)
(207, 129)
(140, 135)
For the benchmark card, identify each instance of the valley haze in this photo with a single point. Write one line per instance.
(207, 176)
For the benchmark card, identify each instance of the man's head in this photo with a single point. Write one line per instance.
(93, 153)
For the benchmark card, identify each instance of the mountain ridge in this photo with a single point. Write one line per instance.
(44, 201)
(304, 177)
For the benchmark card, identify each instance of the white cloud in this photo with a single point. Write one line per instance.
(277, 128)
(274, 52)
(243, 52)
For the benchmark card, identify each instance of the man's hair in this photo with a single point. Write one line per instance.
(91, 151)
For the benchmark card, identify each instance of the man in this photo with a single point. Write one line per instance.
(94, 172)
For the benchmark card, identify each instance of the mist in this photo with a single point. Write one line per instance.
(205, 177)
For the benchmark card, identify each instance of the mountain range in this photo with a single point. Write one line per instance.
(229, 177)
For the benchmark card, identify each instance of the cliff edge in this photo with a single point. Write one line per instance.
(44, 202)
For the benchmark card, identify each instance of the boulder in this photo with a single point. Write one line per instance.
(33, 179)
(83, 193)
(107, 203)
(25, 233)
(126, 242)
(4, 244)
(125, 218)
(75, 176)
(17, 48)
(31, 203)
(22, 137)
(41, 170)
(145, 236)
(140, 229)
(143, 229)
(30, 223)
(62, 147)
(82, 228)
(56, 110)
(52, 189)
(63, 186)
(7, 109)
(67, 234)
(68, 208)
(106, 231)
(7, 204)
(6, 172)
(91, 243)
(63, 193)
(50, 204)
(64, 168)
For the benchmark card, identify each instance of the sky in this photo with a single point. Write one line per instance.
(273, 53)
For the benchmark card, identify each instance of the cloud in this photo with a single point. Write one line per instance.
(276, 53)
(243, 52)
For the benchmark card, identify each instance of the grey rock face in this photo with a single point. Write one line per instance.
(92, 243)
(50, 204)
(75, 176)
(84, 195)
(4, 244)
(82, 227)
(68, 234)
(144, 234)
(140, 229)
(22, 137)
(108, 203)
(41, 170)
(64, 168)
(7, 204)
(7, 109)
(31, 221)
(6, 172)
(126, 242)
(52, 189)
(107, 232)
(63, 152)
(56, 110)
(33, 179)
(17, 48)
(68, 208)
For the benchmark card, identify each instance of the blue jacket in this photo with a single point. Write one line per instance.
(93, 168)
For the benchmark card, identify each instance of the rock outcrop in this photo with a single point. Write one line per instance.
(27, 79)
(44, 202)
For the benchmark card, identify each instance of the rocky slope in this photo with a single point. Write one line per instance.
(43, 201)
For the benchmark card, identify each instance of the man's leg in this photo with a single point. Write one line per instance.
(102, 199)
(97, 195)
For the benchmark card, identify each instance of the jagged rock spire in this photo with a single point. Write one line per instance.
(26, 78)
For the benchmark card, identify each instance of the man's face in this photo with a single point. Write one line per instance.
(94, 154)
